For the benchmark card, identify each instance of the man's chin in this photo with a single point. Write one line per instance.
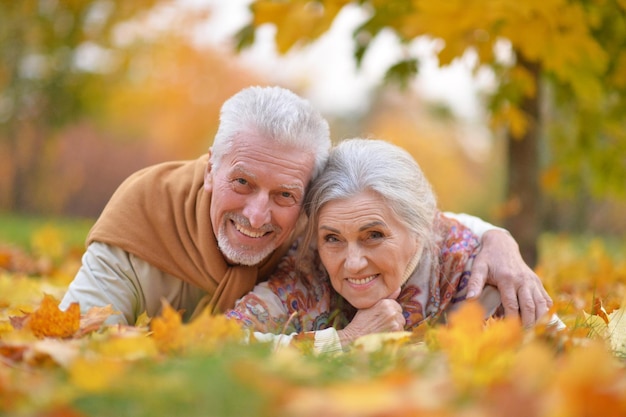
(247, 258)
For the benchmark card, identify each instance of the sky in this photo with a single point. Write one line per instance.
(325, 71)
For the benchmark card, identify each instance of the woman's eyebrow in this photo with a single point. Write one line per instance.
(370, 225)
(366, 226)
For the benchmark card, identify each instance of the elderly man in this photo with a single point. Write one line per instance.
(200, 234)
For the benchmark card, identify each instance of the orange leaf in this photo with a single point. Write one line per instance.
(166, 329)
(205, 333)
(479, 352)
(598, 310)
(49, 321)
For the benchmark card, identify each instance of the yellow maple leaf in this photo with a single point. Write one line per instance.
(205, 333)
(478, 353)
(167, 329)
(49, 321)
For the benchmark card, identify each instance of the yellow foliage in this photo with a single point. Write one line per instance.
(376, 341)
(514, 118)
(298, 20)
(479, 354)
(469, 367)
(589, 382)
(128, 348)
(48, 241)
(394, 394)
(205, 333)
(550, 178)
(96, 374)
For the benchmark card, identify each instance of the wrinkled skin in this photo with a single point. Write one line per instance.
(499, 263)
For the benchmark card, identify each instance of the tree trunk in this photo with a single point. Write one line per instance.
(523, 172)
(27, 145)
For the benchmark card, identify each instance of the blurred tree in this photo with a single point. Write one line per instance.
(56, 60)
(561, 81)
(176, 100)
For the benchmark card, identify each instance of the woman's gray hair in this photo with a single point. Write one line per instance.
(276, 114)
(358, 165)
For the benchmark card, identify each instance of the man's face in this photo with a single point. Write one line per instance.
(258, 190)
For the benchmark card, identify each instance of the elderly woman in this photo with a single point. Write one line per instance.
(377, 255)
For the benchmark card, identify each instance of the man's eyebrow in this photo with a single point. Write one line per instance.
(242, 170)
(330, 229)
(296, 187)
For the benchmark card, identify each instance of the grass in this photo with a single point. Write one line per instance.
(17, 229)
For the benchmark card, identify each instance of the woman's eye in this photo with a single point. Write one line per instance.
(376, 235)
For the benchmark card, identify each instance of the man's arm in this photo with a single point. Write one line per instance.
(104, 279)
(132, 286)
(499, 263)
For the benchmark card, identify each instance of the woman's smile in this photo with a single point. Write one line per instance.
(362, 281)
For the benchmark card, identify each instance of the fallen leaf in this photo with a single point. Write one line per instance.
(49, 321)
(204, 333)
(478, 354)
(376, 341)
(96, 374)
(94, 319)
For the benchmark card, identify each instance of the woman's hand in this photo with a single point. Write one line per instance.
(384, 316)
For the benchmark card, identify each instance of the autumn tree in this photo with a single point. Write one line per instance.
(56, 60)
(561, 91)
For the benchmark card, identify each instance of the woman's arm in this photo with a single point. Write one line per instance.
(294, 307)
(264, 314)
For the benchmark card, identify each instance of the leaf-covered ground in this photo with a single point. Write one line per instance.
(55, 363)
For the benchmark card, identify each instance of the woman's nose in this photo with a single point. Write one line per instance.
(355, 260)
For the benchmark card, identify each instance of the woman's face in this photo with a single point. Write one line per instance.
(364, 248)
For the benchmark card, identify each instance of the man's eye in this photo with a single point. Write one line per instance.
(242, 181)
(330, 238)
(286, 194)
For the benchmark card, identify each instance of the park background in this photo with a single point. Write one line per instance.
(515, 111)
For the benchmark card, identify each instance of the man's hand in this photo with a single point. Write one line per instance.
(499, 263)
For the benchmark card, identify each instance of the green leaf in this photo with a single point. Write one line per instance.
(402, 72)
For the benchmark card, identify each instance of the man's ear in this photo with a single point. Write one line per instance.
(208, 178)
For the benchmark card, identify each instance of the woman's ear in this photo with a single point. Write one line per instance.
(208, 178)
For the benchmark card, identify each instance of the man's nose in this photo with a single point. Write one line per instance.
(257, 210)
